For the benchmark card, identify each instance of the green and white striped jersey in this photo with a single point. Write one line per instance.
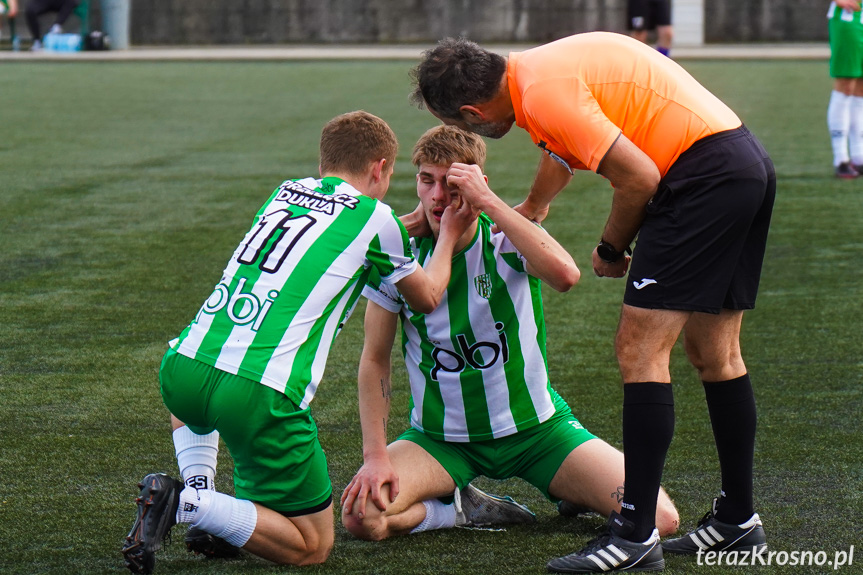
(476, 364)
(292, 283)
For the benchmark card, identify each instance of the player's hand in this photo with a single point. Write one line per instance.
(471, 183)
(532, 212)
(604, 269)
(852, 5)
(368, 481)
(416, 223)
(457, 217)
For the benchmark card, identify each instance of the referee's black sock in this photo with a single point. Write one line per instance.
(648, 425)
(732, 413)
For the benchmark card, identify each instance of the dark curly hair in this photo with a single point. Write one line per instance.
(455, 73)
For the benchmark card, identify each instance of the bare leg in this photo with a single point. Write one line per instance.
(421, 478)
(592, 475)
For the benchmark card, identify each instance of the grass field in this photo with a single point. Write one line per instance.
(125, 188)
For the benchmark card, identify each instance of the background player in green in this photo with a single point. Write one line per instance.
(250, 362)
(480, 396)
(845, 110)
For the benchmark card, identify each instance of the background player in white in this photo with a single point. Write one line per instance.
(481, 400)
(250, 362)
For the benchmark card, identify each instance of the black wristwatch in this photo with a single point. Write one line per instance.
(608, 253)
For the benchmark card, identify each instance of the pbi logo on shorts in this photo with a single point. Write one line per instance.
(480, 355)
(242, 308)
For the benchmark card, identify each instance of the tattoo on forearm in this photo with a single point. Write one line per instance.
(386, 388)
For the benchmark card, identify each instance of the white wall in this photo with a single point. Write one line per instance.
(687, 17)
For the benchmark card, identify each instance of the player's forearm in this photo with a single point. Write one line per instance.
(374, 398)
(546, 258)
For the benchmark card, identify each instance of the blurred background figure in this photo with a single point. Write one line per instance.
(845, 110)
(36, 8)
(645, 16)
(9, 9)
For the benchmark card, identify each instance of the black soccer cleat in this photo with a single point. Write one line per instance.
(200, 542)
(846, 171)
(157, 513)
(714, 535)
(611, 552)
(568, 509)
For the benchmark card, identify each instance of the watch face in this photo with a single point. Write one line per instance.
(607, 253)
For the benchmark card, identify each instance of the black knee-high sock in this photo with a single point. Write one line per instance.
(648, 425)
(732, 414)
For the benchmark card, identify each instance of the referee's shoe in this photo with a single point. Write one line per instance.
(714, 535)
(611, 552)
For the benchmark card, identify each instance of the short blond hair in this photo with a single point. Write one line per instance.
(351, 141)
(443, 145)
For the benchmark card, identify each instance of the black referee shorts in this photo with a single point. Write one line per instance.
(702, 242)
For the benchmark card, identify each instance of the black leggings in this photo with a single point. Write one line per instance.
(36, 8)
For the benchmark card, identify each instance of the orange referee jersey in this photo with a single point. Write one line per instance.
(579, 93)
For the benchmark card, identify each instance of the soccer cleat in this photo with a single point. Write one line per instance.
(846, 171)
(611, 552)
(475, 508)
(157, 513)
(567, 509)
(200, 542)
(714, 535)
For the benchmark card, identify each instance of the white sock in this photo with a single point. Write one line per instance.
(438, 516)
(232, 519)
(855, 130)
(839, 123)
(197, 456)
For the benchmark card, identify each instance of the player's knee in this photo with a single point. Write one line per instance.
(667, 519)
(315, 551)
(369, 528)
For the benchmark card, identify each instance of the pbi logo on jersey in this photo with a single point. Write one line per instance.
(480, 355)
(242, 308)
(483, 285)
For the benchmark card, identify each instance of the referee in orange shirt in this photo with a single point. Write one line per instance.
(697, 188)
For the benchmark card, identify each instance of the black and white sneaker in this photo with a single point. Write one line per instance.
(611, 552)
(200, 542)
(157, 513)
(476, 508)
(714, 535)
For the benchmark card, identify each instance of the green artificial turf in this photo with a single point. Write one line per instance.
(126, 186)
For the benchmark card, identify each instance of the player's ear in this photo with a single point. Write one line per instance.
(378, 169)
(320, 170)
